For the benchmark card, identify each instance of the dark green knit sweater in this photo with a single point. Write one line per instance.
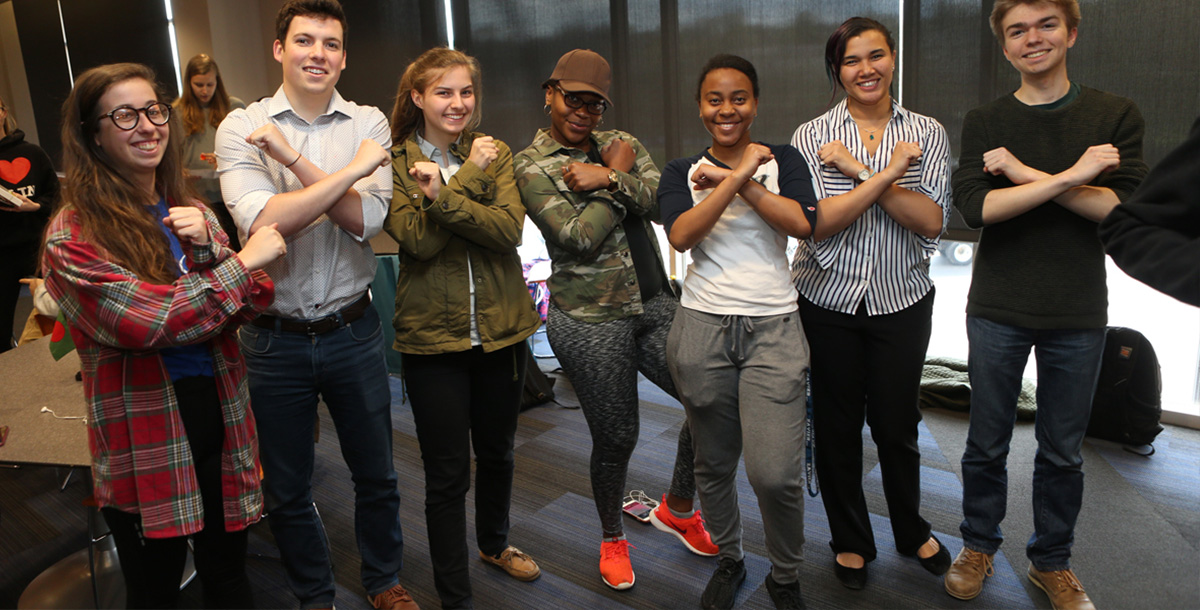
(1044, 269)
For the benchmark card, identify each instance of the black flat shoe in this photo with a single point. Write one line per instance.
(937, 563)
(851, 578)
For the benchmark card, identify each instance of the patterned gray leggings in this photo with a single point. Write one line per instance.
(602, 361)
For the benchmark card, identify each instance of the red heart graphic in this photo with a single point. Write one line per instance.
(14, 172)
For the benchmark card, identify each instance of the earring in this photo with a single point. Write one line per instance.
(600, 122)
(546, 109)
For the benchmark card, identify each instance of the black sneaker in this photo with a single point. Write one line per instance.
(785, 597)
(722, 587)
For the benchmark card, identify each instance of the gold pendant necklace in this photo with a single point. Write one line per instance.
(871, 132)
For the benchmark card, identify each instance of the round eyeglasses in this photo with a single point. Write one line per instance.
(574, 101)
(126, 118)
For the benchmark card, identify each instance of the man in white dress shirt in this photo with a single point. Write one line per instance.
(317, 167)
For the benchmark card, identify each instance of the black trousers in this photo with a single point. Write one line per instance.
(16, 262)
(460, 401)
(153, 567)
(868, 367)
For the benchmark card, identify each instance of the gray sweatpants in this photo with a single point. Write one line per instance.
(741, 380)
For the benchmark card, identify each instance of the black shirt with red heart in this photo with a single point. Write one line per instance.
(26, 169)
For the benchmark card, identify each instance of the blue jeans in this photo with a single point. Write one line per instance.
(289, 371)
(1068, 362)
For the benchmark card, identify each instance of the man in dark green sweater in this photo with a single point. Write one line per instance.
(1039, 168)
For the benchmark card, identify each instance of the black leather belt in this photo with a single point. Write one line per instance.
(317, 326)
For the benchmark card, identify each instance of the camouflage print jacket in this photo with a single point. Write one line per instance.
(592, 277)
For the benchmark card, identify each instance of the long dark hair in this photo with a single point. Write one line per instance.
(407, 118)
(112, 209)
(189, 108)
(835, 47)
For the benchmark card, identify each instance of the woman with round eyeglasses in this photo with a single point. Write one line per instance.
(882, 176)
(591, 193)
(153, 296)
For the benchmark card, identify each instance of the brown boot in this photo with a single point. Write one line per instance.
(964, 580)
(395, 598)
(1062, 587)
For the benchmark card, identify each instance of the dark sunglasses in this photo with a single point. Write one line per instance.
(597, 107)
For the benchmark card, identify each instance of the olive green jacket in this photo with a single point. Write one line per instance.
(478, 214)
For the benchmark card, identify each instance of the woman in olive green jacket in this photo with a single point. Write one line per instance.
(462, 311)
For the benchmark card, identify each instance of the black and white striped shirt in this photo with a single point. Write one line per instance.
(874, 258)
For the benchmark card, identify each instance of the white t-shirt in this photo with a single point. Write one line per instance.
(741, 266)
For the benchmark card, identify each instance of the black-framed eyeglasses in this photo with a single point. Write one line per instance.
(126, 118)
(597, 107)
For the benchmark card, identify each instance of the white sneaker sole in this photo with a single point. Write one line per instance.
(620, 587)
(659, 525)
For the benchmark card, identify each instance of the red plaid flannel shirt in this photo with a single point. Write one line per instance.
(141, 462)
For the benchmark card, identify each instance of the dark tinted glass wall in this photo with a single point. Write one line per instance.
(952, 63)
(656, 49)
(383, 38)
(100, 32)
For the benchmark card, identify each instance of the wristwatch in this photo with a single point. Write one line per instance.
(865, 174)
(612, 179)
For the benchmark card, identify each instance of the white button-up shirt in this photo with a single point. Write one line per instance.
(326, 267)
(874, 258)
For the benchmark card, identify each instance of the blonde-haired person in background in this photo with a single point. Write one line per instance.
(202, 106)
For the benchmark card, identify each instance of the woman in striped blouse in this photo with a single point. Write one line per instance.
(866, 299)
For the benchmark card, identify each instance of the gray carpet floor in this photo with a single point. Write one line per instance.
(1136, 543)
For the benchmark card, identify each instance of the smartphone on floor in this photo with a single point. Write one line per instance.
(637, 510)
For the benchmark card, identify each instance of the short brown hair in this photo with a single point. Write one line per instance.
(1069, 8)
(315, 9)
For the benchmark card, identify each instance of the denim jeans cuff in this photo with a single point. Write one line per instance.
(980, 548)
(395, 581)
(1054, 567)
(317, 603)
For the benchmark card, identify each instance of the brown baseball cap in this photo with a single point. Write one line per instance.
(582, 70)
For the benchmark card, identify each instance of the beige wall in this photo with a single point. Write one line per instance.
(192, 33)
(13, 85)
(233, 32)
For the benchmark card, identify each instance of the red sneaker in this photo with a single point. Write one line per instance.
(689, 531)
(615, 568)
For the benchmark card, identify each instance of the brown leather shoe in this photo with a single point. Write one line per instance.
(1062, 587)
(964, 580)
(514, 561)
(395, 598)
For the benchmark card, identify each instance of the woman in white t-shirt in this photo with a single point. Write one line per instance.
(736, 349)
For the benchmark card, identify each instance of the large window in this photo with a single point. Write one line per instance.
(950, 63)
